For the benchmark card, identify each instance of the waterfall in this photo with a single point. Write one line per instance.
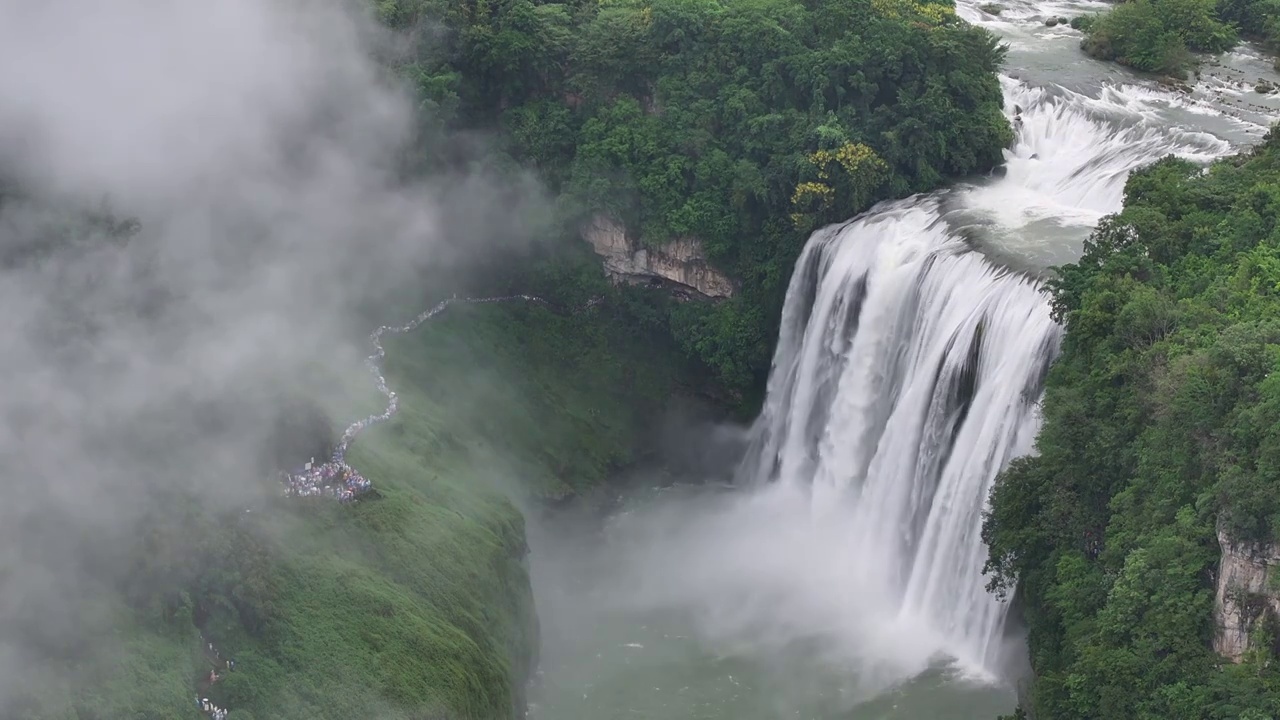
(906, 377)
(909, 367)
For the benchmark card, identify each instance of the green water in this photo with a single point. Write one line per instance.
(638, 623)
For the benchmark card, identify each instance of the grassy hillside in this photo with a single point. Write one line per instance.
(414, 604)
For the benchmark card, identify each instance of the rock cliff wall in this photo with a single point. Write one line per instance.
(679, 264)
(1245, 593)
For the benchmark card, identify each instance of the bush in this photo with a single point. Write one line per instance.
(1082, 22)
(1257, 20)
(1158, 36)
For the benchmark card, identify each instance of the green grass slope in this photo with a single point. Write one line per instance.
(416, 603)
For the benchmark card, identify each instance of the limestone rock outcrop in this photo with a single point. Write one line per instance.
(1245, 593)
(679, 264)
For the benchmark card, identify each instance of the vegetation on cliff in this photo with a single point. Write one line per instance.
(1162, 424)
(1161, 36)
(744, 124)
(413, 604)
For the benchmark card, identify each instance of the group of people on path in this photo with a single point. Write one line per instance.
(210, 709)
(206, 705)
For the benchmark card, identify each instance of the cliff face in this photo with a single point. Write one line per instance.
(1245, 594)
(679, 264)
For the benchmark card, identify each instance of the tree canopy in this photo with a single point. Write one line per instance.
(744, 124)
(1161, 35)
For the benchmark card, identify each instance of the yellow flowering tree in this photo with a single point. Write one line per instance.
(809, 201)
(934, 13)
(847, 179)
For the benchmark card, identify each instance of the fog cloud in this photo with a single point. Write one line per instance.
(193, 197)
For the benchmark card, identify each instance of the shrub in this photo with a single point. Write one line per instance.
(1158, 36)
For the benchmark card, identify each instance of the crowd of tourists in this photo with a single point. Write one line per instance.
(333, 479)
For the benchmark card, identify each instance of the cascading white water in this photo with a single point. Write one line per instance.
(1074, 153)
(909, 367)
(1067, 168)
(905, 380)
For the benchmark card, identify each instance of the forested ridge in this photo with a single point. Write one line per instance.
(1162, 429)
(744, 124)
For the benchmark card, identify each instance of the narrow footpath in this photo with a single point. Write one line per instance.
(335, 478)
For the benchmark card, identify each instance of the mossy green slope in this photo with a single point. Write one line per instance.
(145, 676)
(414, 603)
(419, 599)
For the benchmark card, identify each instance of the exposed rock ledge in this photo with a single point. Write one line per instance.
(1245, 593)
(679, 264)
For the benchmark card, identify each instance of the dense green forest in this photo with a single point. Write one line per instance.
(1161, 36)
(745, 124)
(1162, 426)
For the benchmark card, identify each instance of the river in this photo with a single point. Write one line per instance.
(839, 576)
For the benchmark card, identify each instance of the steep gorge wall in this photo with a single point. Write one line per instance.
(1246, 593)
(679, 264)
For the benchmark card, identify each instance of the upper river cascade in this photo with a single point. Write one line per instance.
(841, 576)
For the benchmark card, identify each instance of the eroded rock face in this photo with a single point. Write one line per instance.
(680, 262)
(1244, 595)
